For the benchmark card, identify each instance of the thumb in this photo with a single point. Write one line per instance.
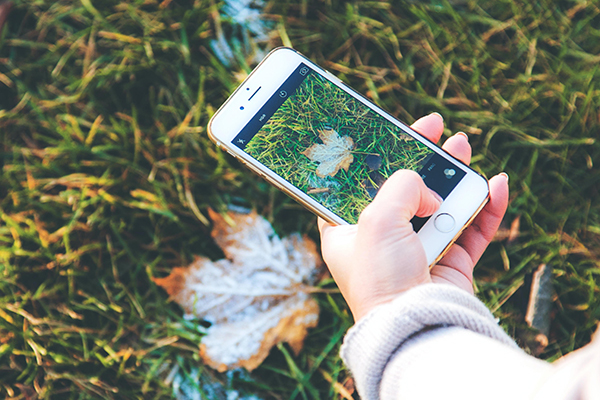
(402, 196)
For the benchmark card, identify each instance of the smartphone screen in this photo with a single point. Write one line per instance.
(334, 148)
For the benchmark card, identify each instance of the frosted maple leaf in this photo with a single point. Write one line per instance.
(334, 154)
(255, 298)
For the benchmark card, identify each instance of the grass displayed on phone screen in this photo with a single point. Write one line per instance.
(333, 147)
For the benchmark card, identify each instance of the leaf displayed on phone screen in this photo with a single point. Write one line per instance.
(334, 154)
(255, 298)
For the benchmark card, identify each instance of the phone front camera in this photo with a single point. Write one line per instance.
(242, 108)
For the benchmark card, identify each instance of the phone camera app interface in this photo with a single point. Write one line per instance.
(449, 172)
(334, 148)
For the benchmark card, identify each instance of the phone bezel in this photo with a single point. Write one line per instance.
(463, 203)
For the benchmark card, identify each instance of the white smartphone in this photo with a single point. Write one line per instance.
(328, 147)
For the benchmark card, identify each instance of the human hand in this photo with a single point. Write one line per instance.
(380, 257)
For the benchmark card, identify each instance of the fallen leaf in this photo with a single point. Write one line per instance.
(255, 298)
(334, 154)
(539, 307)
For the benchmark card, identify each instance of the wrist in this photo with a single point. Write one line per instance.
(376, 297)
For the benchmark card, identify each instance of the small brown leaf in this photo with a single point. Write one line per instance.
(540, 306)
(334, 154)
(255, 298)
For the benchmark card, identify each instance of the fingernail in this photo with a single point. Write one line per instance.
(505, 175)
(438, 114)
(437, 196)
(463, 134)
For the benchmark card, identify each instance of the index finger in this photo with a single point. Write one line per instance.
(431, 126)
(480, 233)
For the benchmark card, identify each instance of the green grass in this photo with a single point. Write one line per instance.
(107, 171)
(317, 106)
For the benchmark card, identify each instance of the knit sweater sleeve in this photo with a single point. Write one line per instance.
(430, 339)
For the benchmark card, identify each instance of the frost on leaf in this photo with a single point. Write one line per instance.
(255, 298)
(334, 154)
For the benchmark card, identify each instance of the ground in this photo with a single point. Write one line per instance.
(107, 172)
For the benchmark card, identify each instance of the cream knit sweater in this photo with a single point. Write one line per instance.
(438, 342)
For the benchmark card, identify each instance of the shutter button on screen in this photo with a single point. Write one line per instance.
(444, 223)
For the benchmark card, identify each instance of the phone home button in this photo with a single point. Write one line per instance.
(444, 223)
